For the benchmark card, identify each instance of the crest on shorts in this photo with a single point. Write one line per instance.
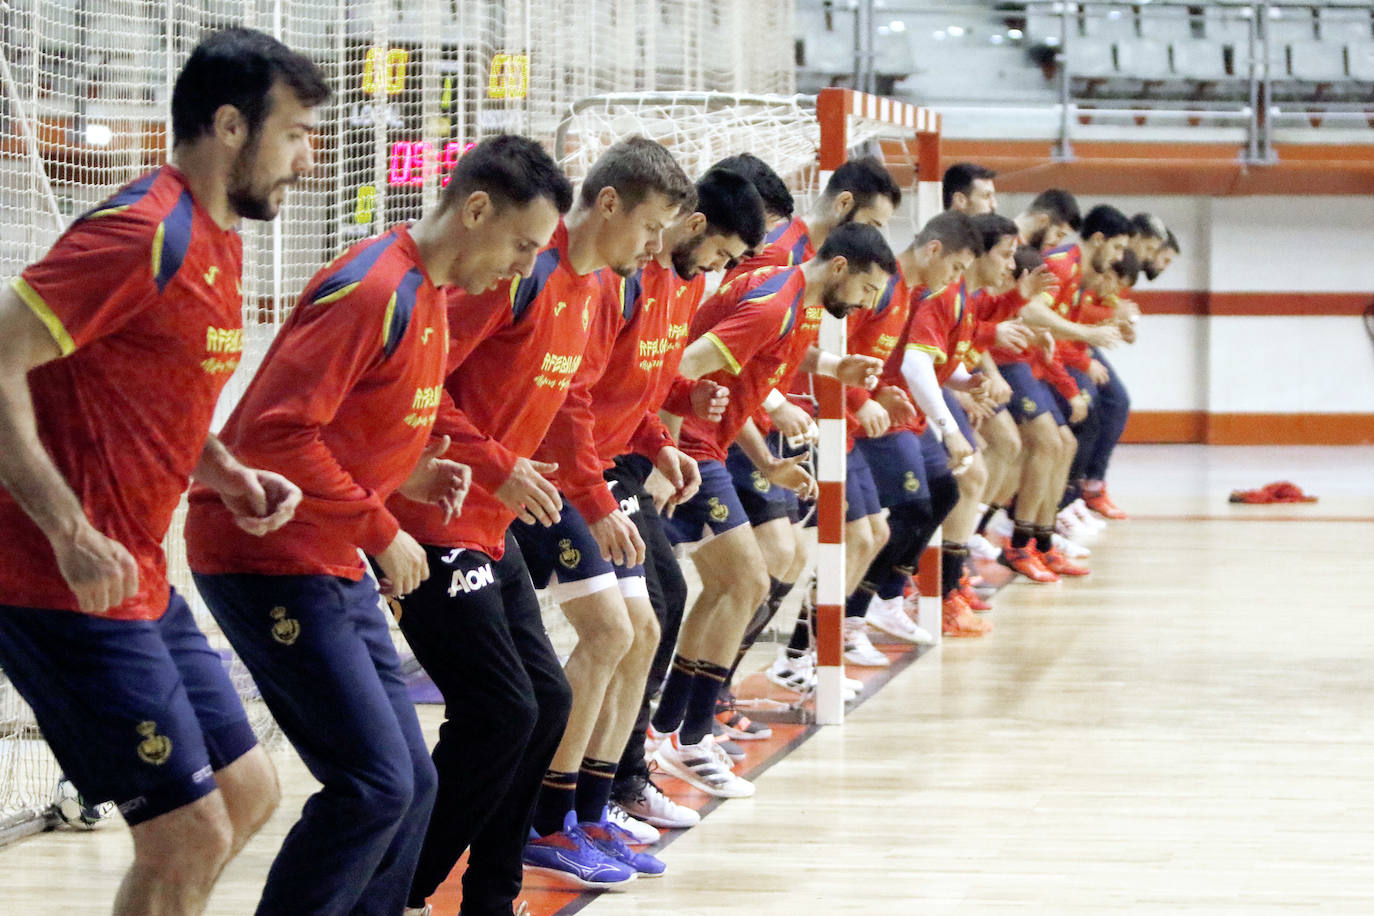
(1027, 405)
(719, 512)
(910, 482)
(285, 630)
(761, 483)
(568, 555)
(154, 748)
(394, 605)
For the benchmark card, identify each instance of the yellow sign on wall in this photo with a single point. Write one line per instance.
(384, 69)
(510, 76)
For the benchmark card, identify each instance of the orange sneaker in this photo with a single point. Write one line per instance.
(1102, 504)
(959, 621)
(971, 597)
(1027, 562)
(1055, 561)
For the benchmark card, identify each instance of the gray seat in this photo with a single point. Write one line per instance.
(1090, 58)
(1348, 23)
(1166, 23)
(1143, 58)
(1361, 60)
(1112, 22)
(1199, 59)
(1317, 61)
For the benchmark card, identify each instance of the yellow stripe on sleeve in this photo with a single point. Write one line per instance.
(387, 318)
(339, 294)
(157, 248)
(730, 361)
(935, 352)
(45, 314)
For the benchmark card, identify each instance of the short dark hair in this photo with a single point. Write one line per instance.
(637, 167)
(239, 67)
(731, 205)
(1027, 258)
(1171, 242)
(1059, 205)
(777, 199)
(861, 245)
(992, 228)
(511, 170)
(865, 178)
(1106, 219)
(959, 179)
(1147, 225)
(955, 231)
(1127, 268)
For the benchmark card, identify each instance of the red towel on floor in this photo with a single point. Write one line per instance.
(1278, 492)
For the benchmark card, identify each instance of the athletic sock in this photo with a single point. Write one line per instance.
(1021, 535)
(1044, 538)
(856, 605)
(594, 781)
(952, 557)
(701, 705)
(777, 591)
(987, 516)
(677, 688)
(893, 585)
(554, 802)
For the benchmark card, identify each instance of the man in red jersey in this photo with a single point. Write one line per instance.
(606, 439)
(138, 298)
(475, 625)
(862, 191)
(968, 188)
(752, 339)
(343, 404)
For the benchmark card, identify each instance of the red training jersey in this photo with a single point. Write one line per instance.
(626, 374)
(762, 327)
(786, 245)
(142, 296)
(513, 353)
(342, 406)
(876, 333)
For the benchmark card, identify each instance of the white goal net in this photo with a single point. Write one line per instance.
(84, 95)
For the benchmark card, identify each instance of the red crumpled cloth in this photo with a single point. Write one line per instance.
(1278, 492)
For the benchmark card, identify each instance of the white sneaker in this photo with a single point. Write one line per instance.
(1070, 549)
(793, 673)
(1086, 516)
(651, 806)
(642, 833)
(703, 765)
(891, 617)
(982, 548)
(1066, 523)
(858, 648)
(999, 526)
(653, 740)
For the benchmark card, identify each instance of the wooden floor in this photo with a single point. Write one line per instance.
(1190, 730)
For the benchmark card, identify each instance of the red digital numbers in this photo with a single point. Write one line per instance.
(415, 162)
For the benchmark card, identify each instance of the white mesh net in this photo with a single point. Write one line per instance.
(85, 87)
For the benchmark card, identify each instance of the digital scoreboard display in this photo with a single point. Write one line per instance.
(396, 142)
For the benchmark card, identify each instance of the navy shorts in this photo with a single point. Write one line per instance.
(762, 501)
(899, 467)
(139, 712)
(714, 510)
(860, 492)
(1085, 386)
(1030, 396)
(568, 553)
(960, 417)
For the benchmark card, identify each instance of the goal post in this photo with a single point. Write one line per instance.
(804, 139)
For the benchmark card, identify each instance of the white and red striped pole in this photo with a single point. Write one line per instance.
(929, 201)
(832, 112)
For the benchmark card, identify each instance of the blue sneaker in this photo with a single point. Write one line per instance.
(571, 855)
(614, 842)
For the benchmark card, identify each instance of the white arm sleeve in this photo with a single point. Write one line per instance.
(961, 374)
(918, 369)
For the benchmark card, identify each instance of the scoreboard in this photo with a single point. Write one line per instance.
(409, 118)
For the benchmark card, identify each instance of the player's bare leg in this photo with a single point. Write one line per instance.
(778, 544)
(731, 566)
(177, 857)
(626, 687)
(1002, 456)
(1039, 471)
(962, 520)
(1052, 557)
(604, 637)
(251, 793)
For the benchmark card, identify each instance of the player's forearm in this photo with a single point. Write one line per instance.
(673, 422)
(217, 468)
(918, 370)
(1039, 315)
(752, 443)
